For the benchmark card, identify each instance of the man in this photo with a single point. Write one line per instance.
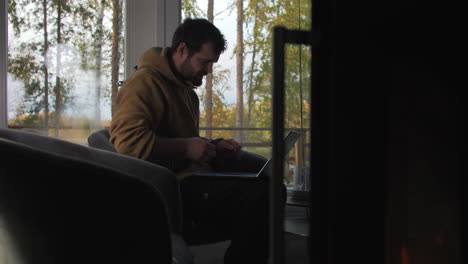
(157, 119)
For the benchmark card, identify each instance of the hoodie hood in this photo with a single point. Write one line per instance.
(157, 60)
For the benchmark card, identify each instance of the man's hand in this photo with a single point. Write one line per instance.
(200, 150)
(228, 146)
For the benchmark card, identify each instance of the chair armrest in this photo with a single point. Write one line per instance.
(100, 140)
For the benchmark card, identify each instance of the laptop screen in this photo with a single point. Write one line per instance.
(289, 142)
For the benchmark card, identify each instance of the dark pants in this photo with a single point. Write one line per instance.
(229, 209)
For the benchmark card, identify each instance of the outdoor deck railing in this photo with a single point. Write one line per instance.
(253, 144)
(40, 130)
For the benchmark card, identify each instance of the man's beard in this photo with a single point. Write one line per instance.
(188, 74)
(197, 82)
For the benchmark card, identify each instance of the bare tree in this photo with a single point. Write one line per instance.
(116, 37)
(99, 43)
(58, 82)
(252, 69)
(240, 68)
(209, 84)
(46, 71)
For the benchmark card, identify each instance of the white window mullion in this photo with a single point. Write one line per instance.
(3, 63)
(172, 19)
(149, 23)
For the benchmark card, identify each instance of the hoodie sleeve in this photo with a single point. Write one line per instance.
(139, 110)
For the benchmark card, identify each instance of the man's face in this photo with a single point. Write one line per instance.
(195, 67)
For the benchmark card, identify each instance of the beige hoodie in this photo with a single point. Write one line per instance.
(153, 103)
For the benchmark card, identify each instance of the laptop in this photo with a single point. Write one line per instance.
(289, 142)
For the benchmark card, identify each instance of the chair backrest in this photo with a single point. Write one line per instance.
(100, 140)
(59, 209)
(159, 177)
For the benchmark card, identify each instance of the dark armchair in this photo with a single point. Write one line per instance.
(62, 202)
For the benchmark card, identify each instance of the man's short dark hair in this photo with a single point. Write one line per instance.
(195, 33)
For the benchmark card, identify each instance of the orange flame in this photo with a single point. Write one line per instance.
(404, 255)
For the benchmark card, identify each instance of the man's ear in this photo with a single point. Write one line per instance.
(182, 49)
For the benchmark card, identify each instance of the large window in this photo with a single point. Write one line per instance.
(64, 61)
(236, 99)
(66, 57)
